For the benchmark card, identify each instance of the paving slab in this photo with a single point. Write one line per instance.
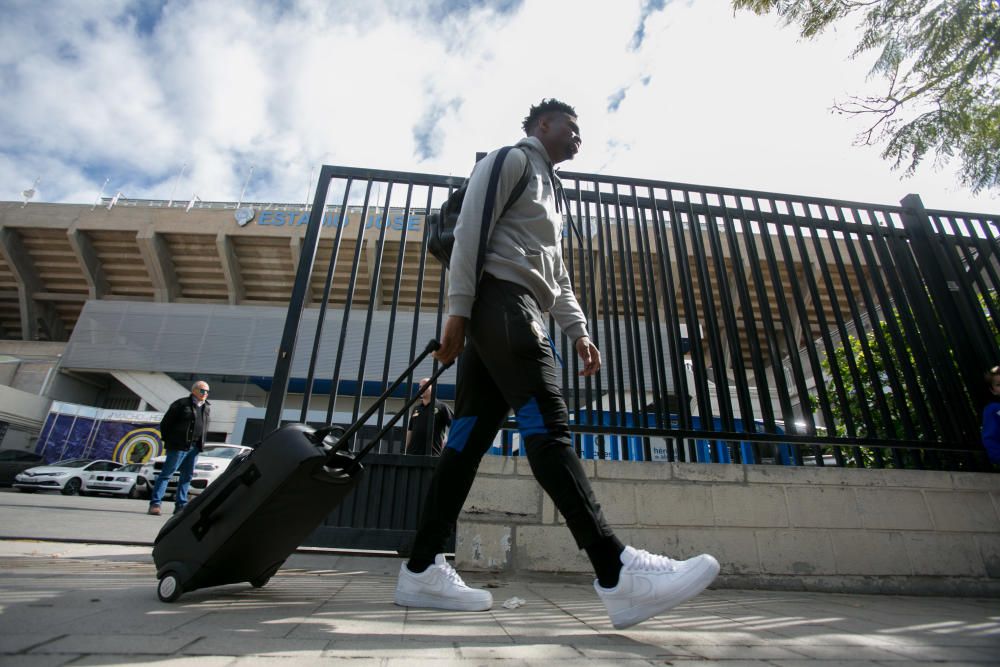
(86, 602)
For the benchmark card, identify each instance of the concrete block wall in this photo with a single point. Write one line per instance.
(775, 527)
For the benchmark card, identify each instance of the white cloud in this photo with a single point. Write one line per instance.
(710, 97)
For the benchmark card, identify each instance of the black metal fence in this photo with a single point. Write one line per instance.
(735, 326)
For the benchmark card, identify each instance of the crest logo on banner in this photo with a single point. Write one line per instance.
(138, 446)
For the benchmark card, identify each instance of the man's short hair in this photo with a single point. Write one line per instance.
(542, 108)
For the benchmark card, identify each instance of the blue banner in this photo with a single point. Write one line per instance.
(81, 432)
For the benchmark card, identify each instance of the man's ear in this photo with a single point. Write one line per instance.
(543, 124)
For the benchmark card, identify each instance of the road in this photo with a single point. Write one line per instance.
(50, 516)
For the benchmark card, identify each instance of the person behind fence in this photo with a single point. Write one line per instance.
(498, 325)
(183, 429)
(417, 429)
(991, 415)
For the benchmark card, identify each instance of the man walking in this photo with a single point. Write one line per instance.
(497, 323)
(183, 429)
(436, 418)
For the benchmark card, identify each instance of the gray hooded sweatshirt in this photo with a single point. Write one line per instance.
(525, 247)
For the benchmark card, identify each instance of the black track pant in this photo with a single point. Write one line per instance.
(508, 363)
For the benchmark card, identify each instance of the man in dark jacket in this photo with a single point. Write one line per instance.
(183, 429)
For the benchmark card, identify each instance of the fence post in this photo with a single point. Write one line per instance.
(297, 302)
(953, 315)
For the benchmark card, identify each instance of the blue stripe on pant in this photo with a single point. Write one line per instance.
(459, 433)
(529, 420)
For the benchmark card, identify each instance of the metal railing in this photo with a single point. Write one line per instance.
(734, 325)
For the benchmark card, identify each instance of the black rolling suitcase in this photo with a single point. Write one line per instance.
(247, 522)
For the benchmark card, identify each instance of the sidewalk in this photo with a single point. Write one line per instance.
(96, 604)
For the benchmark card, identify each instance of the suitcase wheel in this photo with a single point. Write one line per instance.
(169, 588)
(262, 580)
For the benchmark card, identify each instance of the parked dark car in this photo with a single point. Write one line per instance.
(13, 461)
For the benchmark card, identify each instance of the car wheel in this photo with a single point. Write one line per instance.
(72, 487)
(133, 493)
(169, 588)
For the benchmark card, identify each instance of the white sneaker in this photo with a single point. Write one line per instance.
(439, 587)
(649, 585)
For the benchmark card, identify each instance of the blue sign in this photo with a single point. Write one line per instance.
(291, 218)
(396, 222)
(376, 220)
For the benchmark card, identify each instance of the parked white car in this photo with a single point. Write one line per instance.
(124, 481)
(211, 463)
(63, 476)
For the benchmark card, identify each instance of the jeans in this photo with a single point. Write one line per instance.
(176, 459)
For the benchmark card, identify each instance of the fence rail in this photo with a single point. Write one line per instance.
(734, 325)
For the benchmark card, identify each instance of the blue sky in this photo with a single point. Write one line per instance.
(135, 91)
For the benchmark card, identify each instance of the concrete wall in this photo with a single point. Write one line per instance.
(18, 438)
(32, 366)
(27, 365)
(832, 529)
(22, 409)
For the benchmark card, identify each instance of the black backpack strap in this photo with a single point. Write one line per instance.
(569, 215)
(519, 187)
(561, 194)
(491, 195)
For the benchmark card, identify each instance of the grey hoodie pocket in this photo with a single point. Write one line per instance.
(541, 263)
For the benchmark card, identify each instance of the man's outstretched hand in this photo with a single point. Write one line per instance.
(589, 354)
(452, 340)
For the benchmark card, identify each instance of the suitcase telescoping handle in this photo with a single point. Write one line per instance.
(344, 438)
(321, 433)
(385, 429)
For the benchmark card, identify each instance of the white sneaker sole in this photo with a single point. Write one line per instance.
(425, 601)
(699, 581)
